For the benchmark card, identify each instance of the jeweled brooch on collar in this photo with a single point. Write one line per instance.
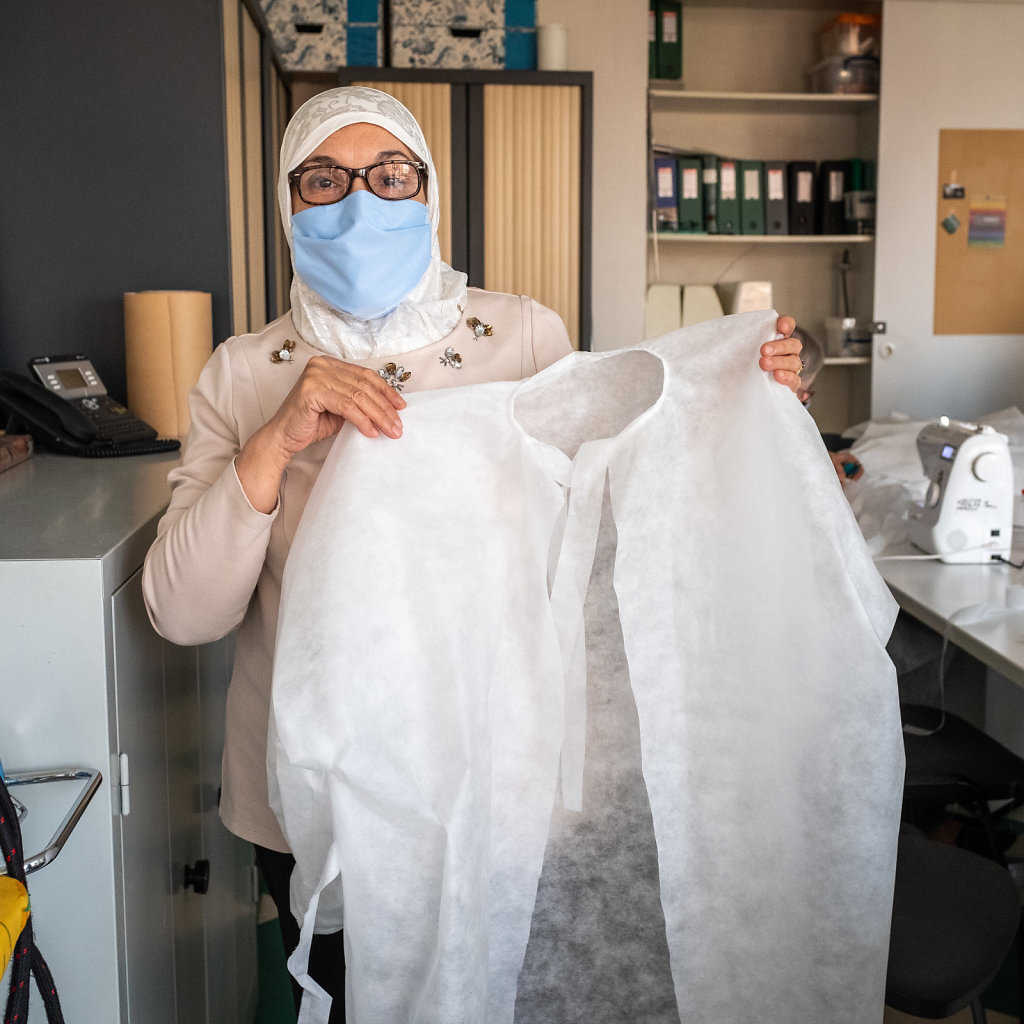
(451, 358)
(480, 330)
(284, 354)
(395, 375)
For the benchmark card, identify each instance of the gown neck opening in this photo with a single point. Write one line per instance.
(595, 398)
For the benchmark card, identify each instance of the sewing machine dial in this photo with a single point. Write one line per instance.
(986, 466)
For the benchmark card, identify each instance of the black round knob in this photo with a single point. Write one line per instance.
(198, 878)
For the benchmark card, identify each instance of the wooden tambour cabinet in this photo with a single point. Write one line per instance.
(514, 150)
(745, 94)
(86, 682)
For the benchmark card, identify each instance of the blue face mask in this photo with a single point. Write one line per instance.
(364, 254)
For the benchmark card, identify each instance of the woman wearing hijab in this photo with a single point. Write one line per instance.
(374, 312)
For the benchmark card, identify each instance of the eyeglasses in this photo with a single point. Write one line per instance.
(330, 183)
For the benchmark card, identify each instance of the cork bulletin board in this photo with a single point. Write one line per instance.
(979, 251)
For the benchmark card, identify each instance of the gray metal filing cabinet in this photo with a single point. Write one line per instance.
(85, 681)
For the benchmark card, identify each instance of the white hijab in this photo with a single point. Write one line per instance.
(433, 308)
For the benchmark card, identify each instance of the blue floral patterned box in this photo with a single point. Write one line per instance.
(437, 46)
(458, 13)
(462, 33)
(321, 35)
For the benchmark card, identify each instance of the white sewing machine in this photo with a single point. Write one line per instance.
(967, 513)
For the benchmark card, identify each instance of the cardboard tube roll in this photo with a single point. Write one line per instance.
(168, 339)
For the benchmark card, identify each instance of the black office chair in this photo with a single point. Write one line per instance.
(953, 764)
(950, 761)
(955, 917)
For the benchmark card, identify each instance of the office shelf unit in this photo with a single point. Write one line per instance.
(745, 94)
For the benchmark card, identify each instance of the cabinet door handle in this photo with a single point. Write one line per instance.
(92, 779)
(198, 877)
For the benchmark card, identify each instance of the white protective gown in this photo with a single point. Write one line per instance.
(581, 703)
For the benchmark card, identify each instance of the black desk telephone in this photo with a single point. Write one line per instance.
(67, 409)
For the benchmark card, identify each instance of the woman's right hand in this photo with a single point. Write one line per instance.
(327, 393)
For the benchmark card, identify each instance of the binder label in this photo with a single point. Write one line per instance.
(728, 180)
(835, 187)
(804, 187)
(669, 27)
(776, 183)
(665, 183)
(710, 175)
(691, 183)
(752, 183)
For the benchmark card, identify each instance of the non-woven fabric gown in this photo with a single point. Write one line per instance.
(539, 739)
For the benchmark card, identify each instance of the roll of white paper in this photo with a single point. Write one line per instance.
(552, 48)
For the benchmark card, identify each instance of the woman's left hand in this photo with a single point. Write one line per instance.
(782, 357)
(847, 466)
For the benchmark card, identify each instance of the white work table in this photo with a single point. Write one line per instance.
(933, 592)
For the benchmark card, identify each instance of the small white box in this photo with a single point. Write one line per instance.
(745, 296)
(700, 303)
(663, 310)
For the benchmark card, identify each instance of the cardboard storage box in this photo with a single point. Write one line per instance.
(448, 34)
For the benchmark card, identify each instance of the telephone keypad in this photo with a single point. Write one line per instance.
(113, 422)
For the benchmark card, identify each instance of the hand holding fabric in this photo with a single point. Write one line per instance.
(847, 466)
(782, 356)
(328, 393)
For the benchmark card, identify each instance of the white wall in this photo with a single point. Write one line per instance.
(609, 37)
(945, 65)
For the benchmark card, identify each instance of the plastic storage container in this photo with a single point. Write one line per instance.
(851, 35)
(846, 75)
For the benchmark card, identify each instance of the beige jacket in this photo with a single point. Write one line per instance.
(217, 563)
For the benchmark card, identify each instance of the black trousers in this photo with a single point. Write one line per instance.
(327, 953)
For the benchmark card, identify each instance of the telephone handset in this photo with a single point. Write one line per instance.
(68, 409)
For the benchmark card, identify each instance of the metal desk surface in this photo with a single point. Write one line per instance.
(933, 592)
(56, 507)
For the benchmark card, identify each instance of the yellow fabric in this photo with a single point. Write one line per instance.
(14, 909)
